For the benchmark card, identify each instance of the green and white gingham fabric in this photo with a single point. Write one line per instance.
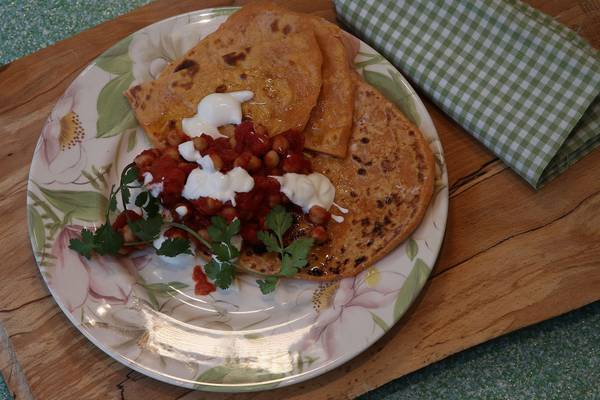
(524, 85)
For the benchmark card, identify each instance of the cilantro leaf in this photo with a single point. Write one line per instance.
(215, 234)
(225, 251)
(270, 241)
(152, 207)
(224, 276)
(287, 268)
(107, 240)
(219, 231)
(173, 247)
(146, 229)
(125, 195)
(299, 250)
(141, 199)
(129, 175)
(267, 285)
(232, 229)
(85, 245)
(211, 269)
(149, 203)
(294, 256)
(279, 221)
(112, 205)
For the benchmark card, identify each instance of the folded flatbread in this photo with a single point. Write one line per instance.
(263, 48)
(386, 183)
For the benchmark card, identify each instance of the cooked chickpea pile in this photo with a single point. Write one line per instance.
(250, 148)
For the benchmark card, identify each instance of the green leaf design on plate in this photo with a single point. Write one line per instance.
(392, 88)
(114, 113)
(380, 322)
(236, 373)
(85, 205)
(37, 232)
(412, 248)
(224, 11)
(165, 289)
(132, 140)
(253, 336)
(116, 60)
(415, 280)
(371, 60)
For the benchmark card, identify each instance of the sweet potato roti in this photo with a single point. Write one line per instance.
(262, 48)
(386, 182)
(297, 66)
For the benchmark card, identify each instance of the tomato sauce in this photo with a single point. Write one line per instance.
(250, 148)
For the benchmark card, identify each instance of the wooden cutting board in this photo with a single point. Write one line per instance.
(512, 256)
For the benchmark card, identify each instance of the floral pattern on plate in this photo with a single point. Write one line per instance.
(144, 313)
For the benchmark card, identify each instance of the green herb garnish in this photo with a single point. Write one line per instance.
(293, 257)
(221, 268)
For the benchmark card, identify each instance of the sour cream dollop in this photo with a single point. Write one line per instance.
(208, 182)
(215, 110)
(307, 190)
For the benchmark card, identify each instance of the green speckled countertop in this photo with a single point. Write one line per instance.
(557, 359)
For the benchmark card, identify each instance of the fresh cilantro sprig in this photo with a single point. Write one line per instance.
(105, 240)
(221, 268)
(293, 257)
(172, 247)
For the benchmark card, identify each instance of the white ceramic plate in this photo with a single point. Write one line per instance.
(145, 314)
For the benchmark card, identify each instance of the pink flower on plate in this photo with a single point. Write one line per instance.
(74, 277)
(60, 150)
(345, 315)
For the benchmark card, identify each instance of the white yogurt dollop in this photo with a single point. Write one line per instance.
(189, 152)
(307, 190)
(208, 182)
(215, 110)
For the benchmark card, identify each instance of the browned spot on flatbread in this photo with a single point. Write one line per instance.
(233, 58)
(187, 64)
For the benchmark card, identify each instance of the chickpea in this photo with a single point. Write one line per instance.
(271, 159)
(172, 152)
(203, 233)
(274, 199)
(319, 234)
(174, 138)
(145, 158)
(280, 144)
(318, 215)
(241, 161)
(200, 143)
(254, 163)
(128, 235)
(213, 205)
(229, 213)
(260, 130)
(217, 161)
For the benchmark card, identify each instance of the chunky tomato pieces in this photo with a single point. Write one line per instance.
(203, 286)
(250, 148)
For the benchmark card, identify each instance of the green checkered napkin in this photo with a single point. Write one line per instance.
(524, 85)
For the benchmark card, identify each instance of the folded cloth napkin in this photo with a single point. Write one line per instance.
(521, 83)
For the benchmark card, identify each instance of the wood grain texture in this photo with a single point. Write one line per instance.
(512, 256)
